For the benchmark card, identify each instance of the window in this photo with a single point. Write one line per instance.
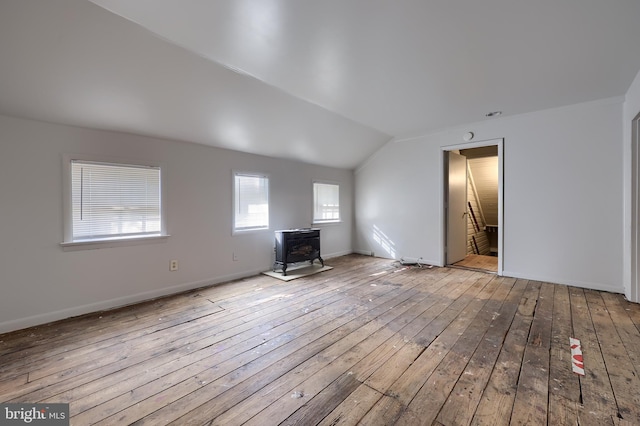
(114, 201)
(251, 202)
(326, 202)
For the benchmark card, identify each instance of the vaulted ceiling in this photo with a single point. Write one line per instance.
(325, 82)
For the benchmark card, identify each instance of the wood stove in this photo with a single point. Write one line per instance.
(296, 245)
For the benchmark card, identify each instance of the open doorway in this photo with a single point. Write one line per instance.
(473, 206)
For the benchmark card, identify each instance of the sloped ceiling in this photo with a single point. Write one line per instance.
(324, 82)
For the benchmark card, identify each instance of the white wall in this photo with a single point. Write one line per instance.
(631, 195)
(562, 176)
(40, 282)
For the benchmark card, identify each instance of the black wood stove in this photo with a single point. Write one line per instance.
(297, 245)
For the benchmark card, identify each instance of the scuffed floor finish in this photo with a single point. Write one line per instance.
(370, 342)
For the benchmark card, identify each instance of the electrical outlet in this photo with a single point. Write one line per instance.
(235, 257)
(173, 265)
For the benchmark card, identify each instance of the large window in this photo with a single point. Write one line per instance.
(326, 202)
(114, 201)
(251, 201)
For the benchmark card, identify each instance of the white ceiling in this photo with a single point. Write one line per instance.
(324, 82)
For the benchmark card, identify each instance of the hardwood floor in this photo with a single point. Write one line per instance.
(478, 261)
(370, 342)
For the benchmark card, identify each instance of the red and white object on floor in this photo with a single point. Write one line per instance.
(577, 362)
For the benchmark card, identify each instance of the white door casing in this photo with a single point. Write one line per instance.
(446, 149)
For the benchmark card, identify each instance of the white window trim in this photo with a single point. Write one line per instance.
(68, 244)
(235, 231)
(313, 204)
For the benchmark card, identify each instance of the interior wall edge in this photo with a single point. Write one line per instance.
(336, 254)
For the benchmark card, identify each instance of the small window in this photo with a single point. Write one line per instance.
(251, 202)
(114, 201)
(326, 202)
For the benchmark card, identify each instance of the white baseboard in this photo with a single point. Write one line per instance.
(47, 317)
(574, 283)
(337, 254)
(420, 260)
(364, 252)
(44, 318)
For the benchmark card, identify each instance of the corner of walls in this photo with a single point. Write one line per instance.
(547, 154)
(372, 157)
(393, 217)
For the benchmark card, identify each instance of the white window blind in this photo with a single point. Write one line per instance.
(251, 193)
(326, 202)
(112, 201)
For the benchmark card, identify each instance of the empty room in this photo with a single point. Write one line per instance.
(353, 212)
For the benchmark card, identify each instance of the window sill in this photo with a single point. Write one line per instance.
(122, 242)
(249, 231)
(333, 222)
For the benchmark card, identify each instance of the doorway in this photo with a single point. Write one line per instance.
(472, 206)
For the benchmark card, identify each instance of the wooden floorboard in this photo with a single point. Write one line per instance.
(479, 262)
(370, 342)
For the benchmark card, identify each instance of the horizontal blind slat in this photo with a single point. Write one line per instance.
(326, 202)
(251, 201)
(113, 201)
